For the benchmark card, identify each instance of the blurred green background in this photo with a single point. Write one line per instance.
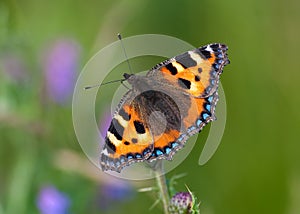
(45, 44)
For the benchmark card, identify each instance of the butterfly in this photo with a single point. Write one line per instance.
(173, 101)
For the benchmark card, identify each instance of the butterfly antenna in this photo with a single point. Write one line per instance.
(122, 80)
(127, 60)
(97, 85)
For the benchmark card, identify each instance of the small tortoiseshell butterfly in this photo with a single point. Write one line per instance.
(174, 101)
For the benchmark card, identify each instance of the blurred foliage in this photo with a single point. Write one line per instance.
(256, 168)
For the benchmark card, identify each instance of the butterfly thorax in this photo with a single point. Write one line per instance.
(139, 83)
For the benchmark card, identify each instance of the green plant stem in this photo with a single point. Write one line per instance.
(162, 185)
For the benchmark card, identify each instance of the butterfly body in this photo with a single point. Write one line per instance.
(172, 102)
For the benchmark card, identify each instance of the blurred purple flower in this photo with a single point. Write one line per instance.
(60, 67)
(114, 191)
(52, 201)
(14, 67)
(105, 121)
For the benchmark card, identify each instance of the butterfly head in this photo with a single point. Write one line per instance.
(127, 76)
(130, 78)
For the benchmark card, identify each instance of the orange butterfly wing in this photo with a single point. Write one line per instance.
(128, 138)
(197, 71)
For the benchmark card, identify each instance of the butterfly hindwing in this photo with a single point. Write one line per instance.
(164, 120)
(202, 112)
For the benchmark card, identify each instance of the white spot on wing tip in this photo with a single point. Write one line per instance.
(104, 152)
(208, 48)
